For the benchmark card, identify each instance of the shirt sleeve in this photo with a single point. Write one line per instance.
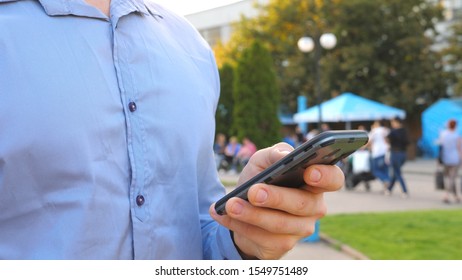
(217, 241)
(218, 244)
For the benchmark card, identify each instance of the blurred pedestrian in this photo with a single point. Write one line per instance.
(312, 133)
(219, 149)
(325, 127)
(451, 151)
(248, 148)
(299, 136)
(398, 140)
(231, 151)
(358, 167)
(379, 149)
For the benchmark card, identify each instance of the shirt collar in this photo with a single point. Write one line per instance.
(70, 7)
(119, 8)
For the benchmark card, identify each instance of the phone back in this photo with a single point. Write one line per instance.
(328, 148)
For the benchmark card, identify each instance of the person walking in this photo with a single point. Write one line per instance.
(379, 149)
(398, 140)
(358, 167)
(451, 151)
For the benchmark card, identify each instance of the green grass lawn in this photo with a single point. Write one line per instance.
(420, 235)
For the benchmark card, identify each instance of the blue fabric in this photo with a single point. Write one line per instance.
(349, 107)
(107, 128)
(434, 121)
(380, 169)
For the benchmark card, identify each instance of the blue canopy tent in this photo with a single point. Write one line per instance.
(434, 120)
(349, 107)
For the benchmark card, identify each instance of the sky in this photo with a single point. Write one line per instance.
(185, 7)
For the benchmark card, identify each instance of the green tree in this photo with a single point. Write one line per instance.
(383, 51)
(224, 114)
(278, 26)
(453, 55)
(256, 97)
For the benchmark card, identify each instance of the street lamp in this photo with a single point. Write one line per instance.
(308, 44)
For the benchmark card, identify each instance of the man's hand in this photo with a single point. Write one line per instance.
(276, 218)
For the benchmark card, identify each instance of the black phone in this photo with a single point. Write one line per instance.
(328, 147)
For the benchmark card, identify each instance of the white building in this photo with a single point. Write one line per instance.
(216, 24)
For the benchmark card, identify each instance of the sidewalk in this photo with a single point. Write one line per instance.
(419, 176)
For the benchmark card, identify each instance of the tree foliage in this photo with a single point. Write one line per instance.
(453, 54)
(383, 51)
(256, 97)
(224, 113)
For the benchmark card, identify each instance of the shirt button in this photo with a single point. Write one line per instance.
(132, 106)
(140, 200)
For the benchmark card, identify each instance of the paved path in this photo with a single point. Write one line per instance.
(419, 175)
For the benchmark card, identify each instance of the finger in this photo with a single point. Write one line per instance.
(323, 178)
(228, 221)
(262, 159)
(250, 231)
(298, 202)
(255, 241)
(265, 157)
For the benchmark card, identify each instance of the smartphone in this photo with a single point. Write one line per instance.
(328, 147)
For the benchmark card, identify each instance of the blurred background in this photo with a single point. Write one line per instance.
(290, 69)
(271, 56)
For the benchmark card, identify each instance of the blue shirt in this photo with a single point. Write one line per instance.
(450, 141)
(107, 128)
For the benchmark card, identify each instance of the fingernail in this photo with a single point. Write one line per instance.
(261, 196)
(315, 175)
(237, 208)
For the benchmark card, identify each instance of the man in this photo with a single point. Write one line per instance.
(106, 146)
(398, 140)
(379, 148)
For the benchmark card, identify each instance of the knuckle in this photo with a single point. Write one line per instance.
(276, 200)
(321, 210)
(286, 245)
(255, 156)
(301, 206)
(308, 229)
(339, 184)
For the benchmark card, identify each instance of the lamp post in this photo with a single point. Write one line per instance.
(307, 44)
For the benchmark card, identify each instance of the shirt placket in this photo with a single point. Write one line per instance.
(135, 140)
